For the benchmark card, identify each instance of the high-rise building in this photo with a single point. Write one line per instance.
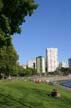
(51, 59)
(31, 64)
(40, 65)
(69, 62)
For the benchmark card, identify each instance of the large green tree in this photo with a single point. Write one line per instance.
(12, 15)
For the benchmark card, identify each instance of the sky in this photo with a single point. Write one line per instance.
(48, 27)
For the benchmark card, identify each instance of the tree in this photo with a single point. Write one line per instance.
(65, 71)
(8, 59)
(13, 13)
(11, 58)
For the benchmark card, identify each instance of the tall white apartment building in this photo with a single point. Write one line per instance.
(51, 59)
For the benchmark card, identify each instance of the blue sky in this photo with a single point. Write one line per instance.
(49, 26)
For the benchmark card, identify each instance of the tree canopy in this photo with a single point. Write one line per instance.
(13, 13)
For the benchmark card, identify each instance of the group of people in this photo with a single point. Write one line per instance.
(54, 93)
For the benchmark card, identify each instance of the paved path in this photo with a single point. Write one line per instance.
(51, 78)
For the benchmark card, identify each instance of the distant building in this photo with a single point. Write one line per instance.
(24, 66)
(69, 62)
(62, 64)
(31, 64)
(40, 65)
(51, 59)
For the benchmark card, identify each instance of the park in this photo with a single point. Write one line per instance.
(15, 90)
(21, 93)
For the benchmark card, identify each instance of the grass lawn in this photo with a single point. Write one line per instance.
(21, 94)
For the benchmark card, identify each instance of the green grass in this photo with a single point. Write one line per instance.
(21, 94)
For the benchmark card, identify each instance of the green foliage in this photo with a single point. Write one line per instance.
(1, 5)
(13, 13)
(21, 71)
(69, 70)
(65, 71)
(27, 71)
(8, 59)
(60, 71)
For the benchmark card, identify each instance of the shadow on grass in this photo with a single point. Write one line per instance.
(8, 100)
(31, 97)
